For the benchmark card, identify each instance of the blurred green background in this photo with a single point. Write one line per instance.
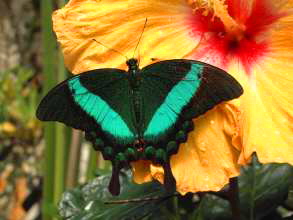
(31, 64)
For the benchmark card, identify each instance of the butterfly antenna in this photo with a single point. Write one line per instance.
(138, 57)
(111, 49)
(140, 36)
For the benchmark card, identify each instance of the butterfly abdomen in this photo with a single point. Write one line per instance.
(137, 105)
(136, 96)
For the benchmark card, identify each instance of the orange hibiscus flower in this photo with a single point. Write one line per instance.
(250, 39)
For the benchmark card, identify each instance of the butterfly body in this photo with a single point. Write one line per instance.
(141, 114)
(134, 78)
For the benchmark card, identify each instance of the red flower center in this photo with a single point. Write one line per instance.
(236, 30)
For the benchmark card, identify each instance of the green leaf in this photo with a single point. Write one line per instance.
(273, 216)
(289, 201)
(72, 203)
(212, 207)
(263, 188)
(89, 202)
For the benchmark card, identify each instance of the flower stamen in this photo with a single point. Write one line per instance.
(219, 9)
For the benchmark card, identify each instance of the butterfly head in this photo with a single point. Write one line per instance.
(132, 64)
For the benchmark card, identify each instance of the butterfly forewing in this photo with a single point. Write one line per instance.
(172, 85)
(216, 86)
(58, 105)
(100, 98)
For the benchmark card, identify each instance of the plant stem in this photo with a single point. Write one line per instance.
(61, 149)
(59, 159)
(233, 197)
(92, 164)
(73, 159)
(48, 55)
(176, 208)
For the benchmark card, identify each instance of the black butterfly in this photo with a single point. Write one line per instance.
(141, 114)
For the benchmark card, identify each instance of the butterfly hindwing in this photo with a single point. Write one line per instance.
(176, 89)
(95, 100)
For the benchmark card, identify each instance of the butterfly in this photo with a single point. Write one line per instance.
(139, 114)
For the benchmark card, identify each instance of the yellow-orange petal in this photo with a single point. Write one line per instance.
(141, 171)
(118, 25)
(166, 36)
(268, 100)
(208, 159)
(263, 125)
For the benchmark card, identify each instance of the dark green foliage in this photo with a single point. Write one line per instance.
(88, 202)
(212, 207)
(263, 189)
(20, 134)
